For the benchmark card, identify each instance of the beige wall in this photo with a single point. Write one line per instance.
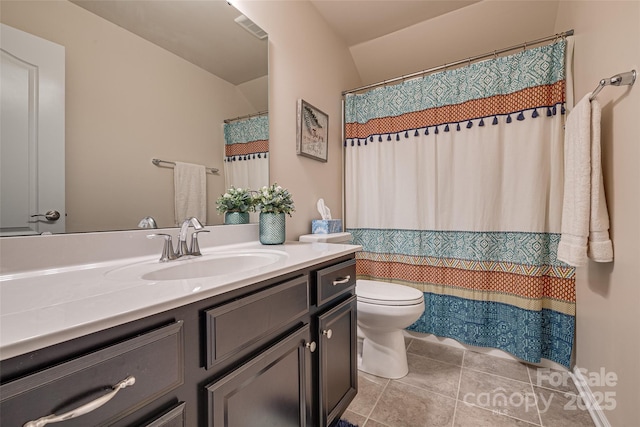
(306, 60)
(127, 102)
(479, 28)
(607, 42)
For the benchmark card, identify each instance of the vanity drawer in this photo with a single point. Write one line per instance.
(154, 360)
(333, 281)
(237, 328)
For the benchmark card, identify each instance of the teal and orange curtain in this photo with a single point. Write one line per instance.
(246, 149)
(454, 186)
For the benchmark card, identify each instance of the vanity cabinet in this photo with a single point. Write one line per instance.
(336, 328)
(279, 352)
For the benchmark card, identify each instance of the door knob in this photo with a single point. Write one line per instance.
(49, 216)
(328, 333)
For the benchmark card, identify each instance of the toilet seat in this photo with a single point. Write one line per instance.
(381, 293)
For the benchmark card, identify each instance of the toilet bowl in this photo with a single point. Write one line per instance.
(384, 310)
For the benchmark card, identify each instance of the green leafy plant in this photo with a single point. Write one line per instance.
(236, 200)
(274, 199)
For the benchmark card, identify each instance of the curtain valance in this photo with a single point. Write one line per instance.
(479, 94)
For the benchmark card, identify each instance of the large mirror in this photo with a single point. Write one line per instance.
(145, 80)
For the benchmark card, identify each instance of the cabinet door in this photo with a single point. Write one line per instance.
(338, 360)
(271, 390)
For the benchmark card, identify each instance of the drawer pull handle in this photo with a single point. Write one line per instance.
(84, 409)
(311, 346)
(328, 333)
(341, 281)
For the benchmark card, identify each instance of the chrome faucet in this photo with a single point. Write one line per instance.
(168, 253)
(183, 249)
(147, 222)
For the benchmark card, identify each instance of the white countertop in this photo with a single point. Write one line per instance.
(44, 307)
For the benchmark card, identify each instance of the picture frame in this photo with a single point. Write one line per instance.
(313, 132)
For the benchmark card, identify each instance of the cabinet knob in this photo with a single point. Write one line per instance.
(311, 346)
(328, 333)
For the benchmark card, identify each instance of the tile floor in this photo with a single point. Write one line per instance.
(447, 386)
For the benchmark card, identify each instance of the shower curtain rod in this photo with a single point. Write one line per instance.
(462, 61)
(261, 113)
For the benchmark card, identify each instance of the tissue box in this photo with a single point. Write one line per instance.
(326, 226)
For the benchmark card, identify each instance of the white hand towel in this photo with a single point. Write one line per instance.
(190, 184)
(600, 246)
(585, 220)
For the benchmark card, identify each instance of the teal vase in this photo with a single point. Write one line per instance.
(272, 228)
(236, 217)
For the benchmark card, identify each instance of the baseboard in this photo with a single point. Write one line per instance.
(544, 363)
(590, 401)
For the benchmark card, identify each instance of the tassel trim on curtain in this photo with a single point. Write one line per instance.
(246, 139)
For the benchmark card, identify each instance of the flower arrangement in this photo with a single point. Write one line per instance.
(236, 200)
(274, 199)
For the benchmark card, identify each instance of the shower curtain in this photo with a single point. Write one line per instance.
(246, 146)
(453, 185)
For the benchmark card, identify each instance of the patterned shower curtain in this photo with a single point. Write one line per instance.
(454, 186)
(246, 146)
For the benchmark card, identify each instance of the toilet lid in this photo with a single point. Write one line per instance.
(374, 292)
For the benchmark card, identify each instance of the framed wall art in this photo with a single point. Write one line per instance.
(313, 132)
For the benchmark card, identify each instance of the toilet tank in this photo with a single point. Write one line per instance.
(327, 238)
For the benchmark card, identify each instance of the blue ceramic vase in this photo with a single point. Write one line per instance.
(272, 228)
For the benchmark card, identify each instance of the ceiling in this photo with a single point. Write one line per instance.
(358, 21)
(187, 27)
(191, 29)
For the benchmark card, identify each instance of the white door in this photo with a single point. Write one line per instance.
(32, 137)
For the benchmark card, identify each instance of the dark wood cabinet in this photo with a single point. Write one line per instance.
(237, 328)
(337, 352)
(101, 387)
(271, 390)
(280, 352)
(335, 321)
(175, 417)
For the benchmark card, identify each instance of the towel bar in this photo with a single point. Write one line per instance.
(622, 79)
(158, 161)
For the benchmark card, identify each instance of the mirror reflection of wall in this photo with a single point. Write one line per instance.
(129, 100)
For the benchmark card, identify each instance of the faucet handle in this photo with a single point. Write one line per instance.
(195, 247)
(168, 253)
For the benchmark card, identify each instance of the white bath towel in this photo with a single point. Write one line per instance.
(585, 221)
(190, 184)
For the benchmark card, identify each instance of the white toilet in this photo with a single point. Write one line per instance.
(384, 310)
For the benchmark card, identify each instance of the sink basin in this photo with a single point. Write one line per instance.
(210, 265)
